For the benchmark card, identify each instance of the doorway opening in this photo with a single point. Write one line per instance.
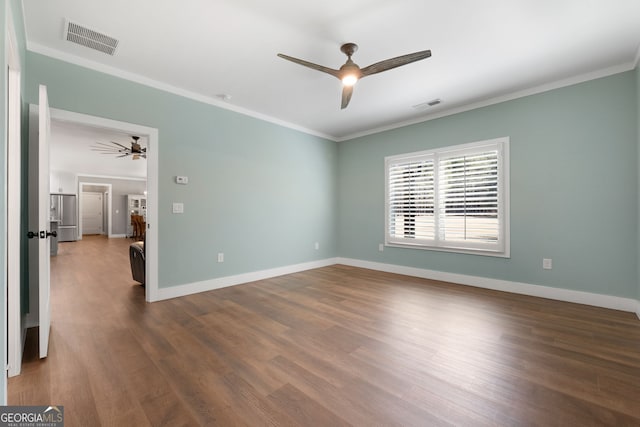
(66, 186)
(88, 179)
(95, 197)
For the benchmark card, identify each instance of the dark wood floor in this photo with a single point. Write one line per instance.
(327, 347)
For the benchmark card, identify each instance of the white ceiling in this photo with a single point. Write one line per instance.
(482, 51)
(71, 151)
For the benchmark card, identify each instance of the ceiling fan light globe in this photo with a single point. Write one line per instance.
(349, 80)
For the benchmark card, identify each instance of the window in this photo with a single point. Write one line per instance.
(450, 199)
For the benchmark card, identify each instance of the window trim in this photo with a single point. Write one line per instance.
(503, 249)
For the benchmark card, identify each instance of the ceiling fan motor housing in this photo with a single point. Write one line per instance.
(350, 73)
(349, 49)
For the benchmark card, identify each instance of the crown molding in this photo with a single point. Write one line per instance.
(499, 99)
(137, 78)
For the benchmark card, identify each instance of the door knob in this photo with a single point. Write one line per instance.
(41, 234)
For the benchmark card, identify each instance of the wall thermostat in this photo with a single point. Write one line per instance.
(182, 179)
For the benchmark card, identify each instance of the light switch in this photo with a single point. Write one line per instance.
(182, 180)
(178, 208)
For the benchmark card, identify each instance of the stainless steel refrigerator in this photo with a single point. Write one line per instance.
(64, 211)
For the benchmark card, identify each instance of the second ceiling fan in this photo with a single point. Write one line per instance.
(350, 72)
(136, 151)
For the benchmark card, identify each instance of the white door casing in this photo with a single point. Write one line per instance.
(151, 245)
(13, 304)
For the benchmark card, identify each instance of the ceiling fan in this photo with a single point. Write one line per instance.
(350, 72)
(135, 151)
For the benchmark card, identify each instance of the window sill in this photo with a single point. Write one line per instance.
(466, 251)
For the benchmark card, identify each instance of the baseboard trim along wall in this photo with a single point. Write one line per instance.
(580, 297)
(223, 282)
(568, 295)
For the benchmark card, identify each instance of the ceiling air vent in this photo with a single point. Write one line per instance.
(92, 39)
(425, 105)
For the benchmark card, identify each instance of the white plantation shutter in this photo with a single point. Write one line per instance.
(411, 199)
(468, 209)
(453, 199)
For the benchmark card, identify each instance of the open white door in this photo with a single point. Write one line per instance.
(40, 237)
(44, 127)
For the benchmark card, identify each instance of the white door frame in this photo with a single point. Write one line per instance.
(151, 245)
(109, 191)
(13, 166)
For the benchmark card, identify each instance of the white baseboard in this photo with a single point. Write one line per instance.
(580, 297)
(117, 236)
(223, 282)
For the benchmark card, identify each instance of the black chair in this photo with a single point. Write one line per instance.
(137, 259)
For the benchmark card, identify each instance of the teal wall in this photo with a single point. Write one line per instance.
(261, 193)
(574, 181)
(574, 188)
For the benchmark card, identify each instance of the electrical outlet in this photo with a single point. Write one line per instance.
(317, 246)
(547, 263)
(220, 257)
(381, 247)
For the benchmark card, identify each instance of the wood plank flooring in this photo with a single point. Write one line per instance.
(335, 346)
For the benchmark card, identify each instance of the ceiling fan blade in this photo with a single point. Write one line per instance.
(105, 146)
(347, 91)
(398, 61)
(120, 145)
(335, 73)
(106, 150)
